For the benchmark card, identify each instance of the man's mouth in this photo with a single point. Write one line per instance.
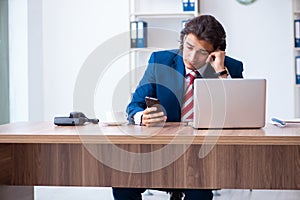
(192, 65)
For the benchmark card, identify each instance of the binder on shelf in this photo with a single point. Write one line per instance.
(142, 34)
(185, 5)
(138, 34)
(192, 5)
(133, 35)
(297, 32)
(297, 69)
(188, 5)
(183, 22)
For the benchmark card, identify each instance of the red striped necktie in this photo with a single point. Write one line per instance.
(187, 111)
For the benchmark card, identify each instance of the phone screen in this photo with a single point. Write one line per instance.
(151, 101)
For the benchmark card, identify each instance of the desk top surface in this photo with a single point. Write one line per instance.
(176, 133)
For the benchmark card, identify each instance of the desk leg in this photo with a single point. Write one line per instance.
(16, 192)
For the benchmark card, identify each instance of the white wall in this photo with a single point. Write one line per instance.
(35, 60)
(260, 35)
(18, 60)
(72, 30)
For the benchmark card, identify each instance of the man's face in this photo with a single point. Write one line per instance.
(195, 52)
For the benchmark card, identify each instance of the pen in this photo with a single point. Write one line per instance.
(278, 122)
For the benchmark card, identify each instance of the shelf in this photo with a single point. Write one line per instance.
(296, 16)
(164, 18)
(145, 49)
(164, 15)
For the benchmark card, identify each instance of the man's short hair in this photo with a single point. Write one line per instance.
(205, 27)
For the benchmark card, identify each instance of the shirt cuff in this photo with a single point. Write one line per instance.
(138, 117)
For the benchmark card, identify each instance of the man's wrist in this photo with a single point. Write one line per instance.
(222, 73)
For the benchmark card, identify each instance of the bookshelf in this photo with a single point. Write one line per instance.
(296, 16)
(164, 22)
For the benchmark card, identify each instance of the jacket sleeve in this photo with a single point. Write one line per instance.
(146, 87)
(234, 67)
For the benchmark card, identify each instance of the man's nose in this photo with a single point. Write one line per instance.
(193, 57)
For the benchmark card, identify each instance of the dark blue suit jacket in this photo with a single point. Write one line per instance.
(164, 79)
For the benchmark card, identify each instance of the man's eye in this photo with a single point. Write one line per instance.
(203, 52)
(189, 47)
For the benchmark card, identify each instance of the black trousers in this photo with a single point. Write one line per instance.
(136, 193)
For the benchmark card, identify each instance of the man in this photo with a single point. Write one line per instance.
(167, 77)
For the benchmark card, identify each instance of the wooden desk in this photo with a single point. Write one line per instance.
(44, 154)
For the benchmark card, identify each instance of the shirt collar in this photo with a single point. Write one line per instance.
(201, 70)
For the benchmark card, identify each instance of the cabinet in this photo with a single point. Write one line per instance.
(165, 20)
(296, 16)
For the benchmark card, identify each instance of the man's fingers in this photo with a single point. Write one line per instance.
(156, 114)
(149, 110)
(154, 121)
(153, 118)
(153, 115)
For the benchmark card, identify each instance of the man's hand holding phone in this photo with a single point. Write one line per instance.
(153, 115)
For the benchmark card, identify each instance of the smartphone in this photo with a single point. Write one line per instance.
(151, 101)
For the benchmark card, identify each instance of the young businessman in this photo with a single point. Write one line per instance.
(202, 51)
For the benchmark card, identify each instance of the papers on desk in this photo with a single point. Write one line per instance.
(114, 123)
(282, 123)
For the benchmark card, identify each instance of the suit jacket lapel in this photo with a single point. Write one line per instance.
(180, 68)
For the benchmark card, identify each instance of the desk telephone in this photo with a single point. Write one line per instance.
(75, 119)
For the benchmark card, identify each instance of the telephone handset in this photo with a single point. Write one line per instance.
(75, 119)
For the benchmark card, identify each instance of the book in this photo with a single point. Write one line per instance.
(297, 69)
(142, 34)
(188, 5)
(192, 5)
(138, 34)
(297, 32)
(183, 22)
(133, 35)
(185, 5)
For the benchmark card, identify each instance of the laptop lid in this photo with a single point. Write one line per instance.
(229, 103)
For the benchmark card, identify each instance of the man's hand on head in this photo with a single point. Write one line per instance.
(216, 59)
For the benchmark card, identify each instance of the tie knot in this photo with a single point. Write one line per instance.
(193, 75)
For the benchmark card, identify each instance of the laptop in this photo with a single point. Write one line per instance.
(229, 103)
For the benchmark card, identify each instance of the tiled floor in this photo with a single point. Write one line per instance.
(93, 193)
